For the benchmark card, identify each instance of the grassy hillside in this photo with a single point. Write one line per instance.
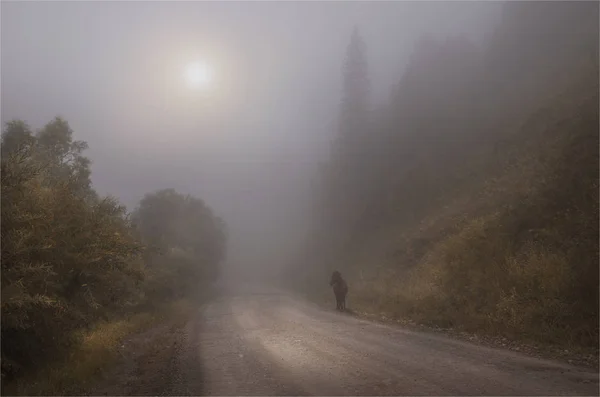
(481, 210)
(513, 252)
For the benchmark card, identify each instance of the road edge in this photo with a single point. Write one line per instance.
(586, 360)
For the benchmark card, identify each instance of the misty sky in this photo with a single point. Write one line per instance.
(249, 144)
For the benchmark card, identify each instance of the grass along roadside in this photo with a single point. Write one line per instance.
(377, 309)
(374, 311)
(96, 351)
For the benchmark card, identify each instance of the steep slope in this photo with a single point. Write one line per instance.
(515, 249)
(482, 212)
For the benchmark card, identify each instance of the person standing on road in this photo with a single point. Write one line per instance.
(340, 290)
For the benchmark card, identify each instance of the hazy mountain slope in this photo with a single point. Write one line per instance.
(483, 205)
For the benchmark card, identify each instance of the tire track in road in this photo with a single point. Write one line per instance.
(273, 344)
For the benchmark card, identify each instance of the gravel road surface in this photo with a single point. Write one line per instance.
(261, 342)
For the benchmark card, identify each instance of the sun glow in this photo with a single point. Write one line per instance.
(198, 75)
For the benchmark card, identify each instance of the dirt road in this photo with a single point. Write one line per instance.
(269, 343)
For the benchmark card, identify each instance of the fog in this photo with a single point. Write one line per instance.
(250, 142)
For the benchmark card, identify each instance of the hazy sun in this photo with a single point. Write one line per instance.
(198, 75)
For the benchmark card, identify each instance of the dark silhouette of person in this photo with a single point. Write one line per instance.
(340, 290)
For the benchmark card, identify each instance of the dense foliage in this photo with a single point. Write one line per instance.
(71, 258)
(180, 232)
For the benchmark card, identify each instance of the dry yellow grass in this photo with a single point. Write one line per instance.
(96, 351)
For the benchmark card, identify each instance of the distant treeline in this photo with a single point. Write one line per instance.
(471, 199)
(71, 258)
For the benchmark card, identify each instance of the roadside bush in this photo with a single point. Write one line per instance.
(187, 243)
(68, 257)
(72, 260)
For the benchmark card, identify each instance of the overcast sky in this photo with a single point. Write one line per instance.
(248, 143)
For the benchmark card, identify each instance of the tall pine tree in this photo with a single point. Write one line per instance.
(337, 200)
(355, 95)
(346, 179)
